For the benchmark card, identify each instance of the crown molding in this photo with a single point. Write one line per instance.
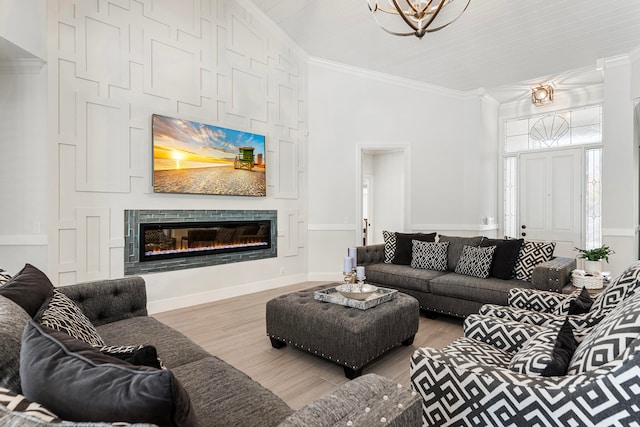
(21, 66)
(272, 26)
(613, 61)
(390, 79)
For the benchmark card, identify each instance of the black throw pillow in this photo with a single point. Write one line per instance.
(138, 355)
(30, 288)
(404, 246)
(505, 256)
(78, 383)
(562, 352)
(582, 304)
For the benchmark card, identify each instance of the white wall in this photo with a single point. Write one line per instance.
(24, 23)
(111, 65)
(24, 172)
(620, 165)
(451, 154)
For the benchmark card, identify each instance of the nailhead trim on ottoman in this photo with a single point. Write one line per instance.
(347, 336)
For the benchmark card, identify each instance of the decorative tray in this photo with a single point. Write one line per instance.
(331, 295)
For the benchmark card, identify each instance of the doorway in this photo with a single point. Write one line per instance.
(550, 188)
(383, 190)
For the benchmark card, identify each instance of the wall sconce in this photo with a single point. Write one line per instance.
(541, 94)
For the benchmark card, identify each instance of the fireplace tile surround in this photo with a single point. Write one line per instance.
(133, 219)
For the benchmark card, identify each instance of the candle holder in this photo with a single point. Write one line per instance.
(349, 277)
(360, 281)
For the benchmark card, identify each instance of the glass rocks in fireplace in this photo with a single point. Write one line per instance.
(185, 239)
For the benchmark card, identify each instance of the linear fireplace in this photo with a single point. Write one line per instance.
(167, 240)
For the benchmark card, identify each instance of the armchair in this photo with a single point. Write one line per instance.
(541, 308)
(470, 382)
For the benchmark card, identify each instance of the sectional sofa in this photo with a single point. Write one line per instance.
(77, 382)
(448, 292)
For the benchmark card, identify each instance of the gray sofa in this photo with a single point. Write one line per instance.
(455, 294)
(220, 395)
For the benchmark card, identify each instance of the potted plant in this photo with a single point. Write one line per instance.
(593, 257)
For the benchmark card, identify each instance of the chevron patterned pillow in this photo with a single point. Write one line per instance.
(4, 276)
(608, 339)
(61, 314)
(530, 255)
(389, 245)
(22, 406)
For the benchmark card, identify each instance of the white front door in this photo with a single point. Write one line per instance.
(550, 191)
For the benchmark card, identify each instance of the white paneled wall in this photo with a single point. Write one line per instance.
(114, 63)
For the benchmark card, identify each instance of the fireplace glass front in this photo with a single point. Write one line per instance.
(185, 239)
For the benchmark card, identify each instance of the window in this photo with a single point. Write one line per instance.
(557, 129)
(552, 130)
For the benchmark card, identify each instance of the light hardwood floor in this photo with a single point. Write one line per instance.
(235, 331)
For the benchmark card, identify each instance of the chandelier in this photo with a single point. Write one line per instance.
(422, 16)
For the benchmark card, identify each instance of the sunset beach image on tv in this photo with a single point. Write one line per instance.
(196, 158)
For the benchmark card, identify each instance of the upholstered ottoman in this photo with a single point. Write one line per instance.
(347, 336)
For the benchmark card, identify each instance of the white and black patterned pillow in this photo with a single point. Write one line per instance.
(530, 255)
(23, 406)
(138, 355)
(475, 261)
(608, 339)
(389, 245)
(62, 314)
(4, 276)
(547, 353)
(429, 255)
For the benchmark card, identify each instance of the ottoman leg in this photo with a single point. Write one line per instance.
(352, 373)
(277, 343)
(409, 340)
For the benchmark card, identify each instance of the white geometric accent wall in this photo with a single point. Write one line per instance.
(114, 63)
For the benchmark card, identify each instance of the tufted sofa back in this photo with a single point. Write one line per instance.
(370, 254)
(106, 301)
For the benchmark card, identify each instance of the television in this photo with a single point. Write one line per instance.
(196, 158)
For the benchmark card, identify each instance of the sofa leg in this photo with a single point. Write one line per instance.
(430, 314)
(277, 343)
(352, 373)
(408, 341)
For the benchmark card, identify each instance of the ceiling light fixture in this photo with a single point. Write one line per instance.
(422, 16)
(541, 94)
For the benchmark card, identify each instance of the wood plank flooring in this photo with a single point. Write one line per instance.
(235, 331)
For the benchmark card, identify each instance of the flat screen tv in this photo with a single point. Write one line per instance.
(196, 158)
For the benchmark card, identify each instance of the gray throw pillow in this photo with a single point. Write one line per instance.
(429, 255)
(78, 383)
(455, 248)
(475, 261)
(12, 321)
(30, 288)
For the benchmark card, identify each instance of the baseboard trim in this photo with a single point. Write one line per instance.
(220, 294)
(325, 277)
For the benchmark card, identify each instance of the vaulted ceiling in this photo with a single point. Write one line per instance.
(500, 45)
